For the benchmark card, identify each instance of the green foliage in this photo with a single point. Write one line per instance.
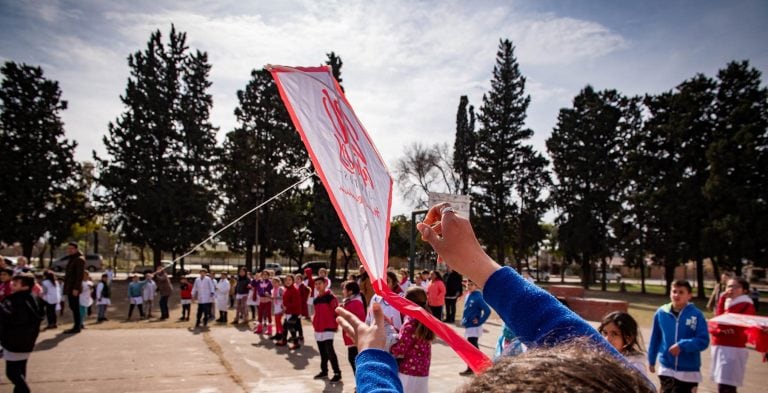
(157, 180)
(260, 158)
(41, 189)
(464, 144)
(496, 165)
(584, 147)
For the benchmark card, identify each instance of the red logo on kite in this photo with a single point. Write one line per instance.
(347, 137)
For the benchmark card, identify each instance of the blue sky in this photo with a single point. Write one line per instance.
(405, 63)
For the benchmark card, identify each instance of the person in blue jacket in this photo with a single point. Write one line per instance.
(678, 336)
(476, 312)
(569, 351)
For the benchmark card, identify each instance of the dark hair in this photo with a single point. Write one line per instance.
(437, 275)
(683, 283)
(743, 283)
(392, 276)
(73, 244)
(628, 328)
(419, 296)
(352, 287)
(48, 275)
(27, 279)
(574, 367)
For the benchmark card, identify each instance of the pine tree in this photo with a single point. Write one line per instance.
(498, 148)
(737, 185)
(584, 147)
(157, 180)
(464, 144)
(260, 158)
(40, 179)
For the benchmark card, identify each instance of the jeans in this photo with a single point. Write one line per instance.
(328, 353)
(17, 374)
(164, 307)
(102, 312)
(74, 305)
(351, 355)
(450, 310)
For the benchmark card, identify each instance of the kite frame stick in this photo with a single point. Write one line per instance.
(302, 180)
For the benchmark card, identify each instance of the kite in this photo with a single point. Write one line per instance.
(358, 183)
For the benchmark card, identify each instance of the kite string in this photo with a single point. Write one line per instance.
(193, 249)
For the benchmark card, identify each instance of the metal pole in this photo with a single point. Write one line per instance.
(412, 257)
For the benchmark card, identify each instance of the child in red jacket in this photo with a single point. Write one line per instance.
(324, 322)
(355, 304)
(292, 308)
(729, 352)
(185, 290)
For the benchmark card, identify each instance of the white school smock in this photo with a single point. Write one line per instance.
(203, 290)
(222, 295)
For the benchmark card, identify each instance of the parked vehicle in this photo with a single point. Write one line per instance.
(275, 267)
(610, 275)
(314, 265)
(167, 266)
(539, 275)
(93, 263)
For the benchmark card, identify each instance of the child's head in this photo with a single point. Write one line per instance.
(104, 277)
(680, 294)
(577, 366)
(148, 276)
(265, 274)
(223, 275)
(620, 329)
(320, 284)
(203, 273)
(183, 280)
(350, 288)
(419, 297)
(297, 278)
(736, 287)
(392, 281)
(288, 280)
(22, 282)
(276, 282)
(86, 276)
(242, 272)
(48, 275)
(322, 272)
(5, 275)
(435, 275)
(403, 274)
(135, 277)
(471, 286)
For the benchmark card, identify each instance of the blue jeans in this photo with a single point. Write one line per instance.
(164, 307)
(102, 312)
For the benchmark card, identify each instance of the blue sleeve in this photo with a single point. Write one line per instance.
(655, 343)
(699, 342)
(536, 316)
(376, 372)
(486, 311)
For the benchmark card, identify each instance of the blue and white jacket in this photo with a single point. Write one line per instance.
(688, 330)
(475, 308)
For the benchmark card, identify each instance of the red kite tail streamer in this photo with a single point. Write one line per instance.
(472, 356)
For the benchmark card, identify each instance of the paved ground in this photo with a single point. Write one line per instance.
(169, 356)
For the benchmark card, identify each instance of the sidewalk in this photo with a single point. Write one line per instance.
(227, 359)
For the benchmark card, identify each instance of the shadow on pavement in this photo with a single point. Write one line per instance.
(331, 387)
(52, 342)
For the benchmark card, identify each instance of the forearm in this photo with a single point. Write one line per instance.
(377, 372)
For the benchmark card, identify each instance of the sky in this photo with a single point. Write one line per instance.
(406, 63)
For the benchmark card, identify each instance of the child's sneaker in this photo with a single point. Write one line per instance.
(281, 343)
(294, 346)
(336, 378)
(259, 329)
(269, 330)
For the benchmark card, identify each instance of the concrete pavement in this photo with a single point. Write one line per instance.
(226, 359)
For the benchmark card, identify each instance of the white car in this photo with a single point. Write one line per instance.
(542, 275)
(609, 276)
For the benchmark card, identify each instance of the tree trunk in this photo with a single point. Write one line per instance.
(249, 256)
(669, 274)
(26, 248)
(642, 276)
(96, 241)
(586, 270)
(157, 256)
(40, 257)
(604, 266)
(700, 277)
(334, 255)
